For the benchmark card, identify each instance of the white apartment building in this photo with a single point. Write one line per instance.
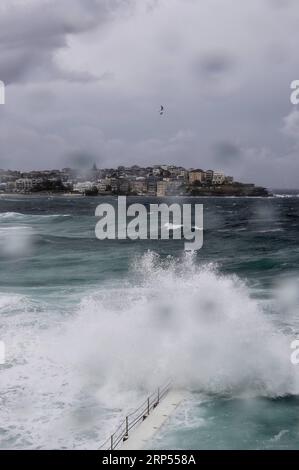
(82, 187)
(218, 177)
(24, 184)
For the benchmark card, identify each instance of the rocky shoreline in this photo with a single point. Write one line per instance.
(240, 190)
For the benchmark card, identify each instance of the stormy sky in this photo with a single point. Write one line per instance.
(85, 80)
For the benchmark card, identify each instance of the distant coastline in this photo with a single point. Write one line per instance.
(158, 180)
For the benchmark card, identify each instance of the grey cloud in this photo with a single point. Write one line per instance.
(14, 64)
(280, 3)
(31, 34)
(152, 4)
(291, 125)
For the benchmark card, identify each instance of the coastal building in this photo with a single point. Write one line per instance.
(103, 185)
(161, 180)
(162, 188)
(156, 171)
(10, 187)
(124, 186)
(139, 186)
(209, 174)
(24, 184)
(9, 176)
(114, 185)
(218, 177)
(83, 186)
(196, 176)
(174, 171)
(152, 185)
(183, 175)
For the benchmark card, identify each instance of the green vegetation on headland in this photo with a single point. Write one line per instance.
(225, 190)
(235, 189)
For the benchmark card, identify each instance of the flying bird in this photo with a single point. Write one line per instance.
(162, 110)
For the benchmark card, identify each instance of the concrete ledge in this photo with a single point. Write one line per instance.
(147, 429)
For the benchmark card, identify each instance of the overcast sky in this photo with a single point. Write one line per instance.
(85, 80)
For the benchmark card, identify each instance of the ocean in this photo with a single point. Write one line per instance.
(91, 327)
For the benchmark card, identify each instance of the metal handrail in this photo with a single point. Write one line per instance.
(121, 434)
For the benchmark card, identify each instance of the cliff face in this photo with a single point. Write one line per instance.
(244, 190)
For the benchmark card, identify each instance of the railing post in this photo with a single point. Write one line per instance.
(152, 401)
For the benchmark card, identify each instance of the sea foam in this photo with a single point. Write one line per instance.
(185, 321)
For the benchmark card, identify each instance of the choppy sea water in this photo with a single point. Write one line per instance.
(92, 326)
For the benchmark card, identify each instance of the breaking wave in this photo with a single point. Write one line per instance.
(17, 215)
(186, 321)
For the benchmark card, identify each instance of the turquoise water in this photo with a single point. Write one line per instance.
(232, 423)
(91, 326)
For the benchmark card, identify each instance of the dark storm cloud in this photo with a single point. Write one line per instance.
(31, 34)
